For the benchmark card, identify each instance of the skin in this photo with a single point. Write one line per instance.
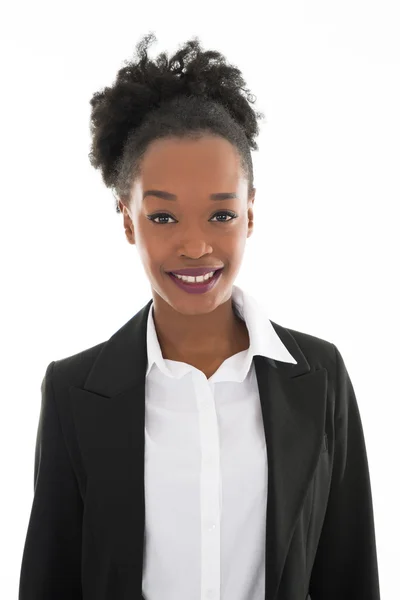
(199, 329)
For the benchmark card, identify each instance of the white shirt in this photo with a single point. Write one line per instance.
(206, 470)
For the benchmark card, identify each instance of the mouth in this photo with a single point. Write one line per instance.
(197, 287)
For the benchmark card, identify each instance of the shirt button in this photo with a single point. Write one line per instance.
(211, 526)
(210, 594)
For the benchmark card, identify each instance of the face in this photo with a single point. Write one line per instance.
(193, 230)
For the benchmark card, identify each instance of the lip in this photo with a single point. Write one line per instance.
(195, 271)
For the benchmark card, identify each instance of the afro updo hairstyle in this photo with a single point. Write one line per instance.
(189, 95)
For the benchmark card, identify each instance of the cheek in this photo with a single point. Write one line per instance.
(235, 244)
(154, 254)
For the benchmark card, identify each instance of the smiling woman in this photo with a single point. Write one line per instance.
(178, 132)
(153, 444)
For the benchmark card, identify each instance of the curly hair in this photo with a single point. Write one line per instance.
(191, 94)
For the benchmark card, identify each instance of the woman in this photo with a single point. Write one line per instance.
(203, 451)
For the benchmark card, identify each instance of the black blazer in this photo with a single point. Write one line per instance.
(85, 537)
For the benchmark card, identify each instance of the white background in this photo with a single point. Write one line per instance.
(324, 255)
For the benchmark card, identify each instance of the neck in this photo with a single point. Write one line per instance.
(201, 337)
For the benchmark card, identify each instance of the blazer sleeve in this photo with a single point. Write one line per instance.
(51, 561)
(346, 565)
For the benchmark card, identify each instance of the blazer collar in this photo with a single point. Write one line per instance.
(109, 417)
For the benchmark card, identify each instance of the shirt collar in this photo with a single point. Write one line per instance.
(264, 341)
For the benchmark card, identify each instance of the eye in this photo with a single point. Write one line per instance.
(228, 213)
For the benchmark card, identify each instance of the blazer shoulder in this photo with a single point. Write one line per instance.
(319, 352)
(74, 369)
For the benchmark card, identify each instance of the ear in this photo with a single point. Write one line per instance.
(250, 214)
(127, 223)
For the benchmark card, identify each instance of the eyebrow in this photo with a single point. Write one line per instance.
(169, 196)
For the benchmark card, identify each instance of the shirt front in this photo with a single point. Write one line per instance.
(206, 470)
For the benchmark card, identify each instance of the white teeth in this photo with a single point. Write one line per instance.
(199, 279)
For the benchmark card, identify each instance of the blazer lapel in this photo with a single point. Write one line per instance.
(109, 416)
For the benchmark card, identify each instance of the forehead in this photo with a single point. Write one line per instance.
(207, 158)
